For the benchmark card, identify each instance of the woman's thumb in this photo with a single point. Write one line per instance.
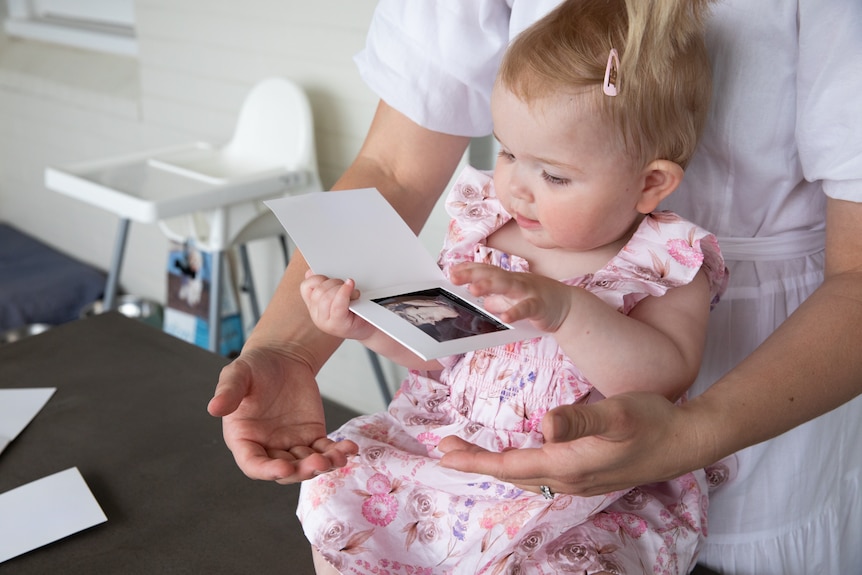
(618, 418)
(607, 419)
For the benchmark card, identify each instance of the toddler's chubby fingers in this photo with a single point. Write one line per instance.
(341, 294)
(328, 301)
(509, 310)
(469, 272)
(327, 291)
(485, 279)
(319, 291)
(309, 284)
(317, 285)
(312, 281)
(533, 309)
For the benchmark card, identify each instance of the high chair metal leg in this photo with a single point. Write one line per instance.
(381, 378)
(113, 280)
(215, 302)
(248, 282)
(284, 250)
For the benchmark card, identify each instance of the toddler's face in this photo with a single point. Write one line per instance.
(561, 173)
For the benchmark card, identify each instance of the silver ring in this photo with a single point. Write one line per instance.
(546, 491)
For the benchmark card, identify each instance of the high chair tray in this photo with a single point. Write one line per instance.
(164, 183)
(213, 166)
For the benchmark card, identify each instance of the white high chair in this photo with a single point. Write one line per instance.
(210, 195)
(274, 137)
(205, 194)
(274, 133)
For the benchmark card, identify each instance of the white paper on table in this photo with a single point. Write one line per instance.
(356, 234)
(44, 511)
(18, 407)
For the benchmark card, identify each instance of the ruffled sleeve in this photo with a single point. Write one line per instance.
(475, 214)
(666, 251)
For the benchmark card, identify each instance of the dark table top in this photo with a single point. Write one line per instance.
(130, 413)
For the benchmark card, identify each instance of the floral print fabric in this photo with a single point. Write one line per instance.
(392, 510)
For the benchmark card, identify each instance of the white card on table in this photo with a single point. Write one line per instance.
(18, 407)
(44, 511)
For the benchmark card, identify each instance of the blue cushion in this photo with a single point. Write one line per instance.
(39, 284)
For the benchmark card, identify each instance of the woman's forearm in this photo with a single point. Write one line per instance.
(286, 326)
(810, 365)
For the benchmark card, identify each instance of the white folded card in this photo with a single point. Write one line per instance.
(356, 234)
(44, 511)
(17, 408)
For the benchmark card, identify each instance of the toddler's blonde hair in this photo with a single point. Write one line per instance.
(663, 81)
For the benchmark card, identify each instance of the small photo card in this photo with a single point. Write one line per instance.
(356, 234)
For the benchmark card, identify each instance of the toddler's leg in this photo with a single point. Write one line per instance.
(321, 565)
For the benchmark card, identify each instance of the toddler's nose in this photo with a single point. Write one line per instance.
(518, 186)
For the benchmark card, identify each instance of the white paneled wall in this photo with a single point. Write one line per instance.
(198, 58)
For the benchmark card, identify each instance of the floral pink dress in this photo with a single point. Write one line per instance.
(393, 510)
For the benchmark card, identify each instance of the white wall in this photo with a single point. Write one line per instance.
(198, 58)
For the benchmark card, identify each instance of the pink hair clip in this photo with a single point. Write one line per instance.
(609, 87)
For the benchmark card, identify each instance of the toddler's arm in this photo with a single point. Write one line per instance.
(657, 347)
(328, 301)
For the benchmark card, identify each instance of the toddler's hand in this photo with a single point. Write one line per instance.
(328, 301)
(514, 295)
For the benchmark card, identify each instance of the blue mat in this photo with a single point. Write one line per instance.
(39, 284)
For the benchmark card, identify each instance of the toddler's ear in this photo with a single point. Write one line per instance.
(661, 178)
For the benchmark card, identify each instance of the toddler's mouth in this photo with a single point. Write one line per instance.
(527, 223)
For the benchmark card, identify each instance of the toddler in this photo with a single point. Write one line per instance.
(597, 108)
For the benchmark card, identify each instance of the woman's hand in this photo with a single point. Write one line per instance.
(273, 418)
(618, 443)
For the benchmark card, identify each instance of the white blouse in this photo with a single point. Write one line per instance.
(785, 128)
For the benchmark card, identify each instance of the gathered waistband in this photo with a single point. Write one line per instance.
(787, 246)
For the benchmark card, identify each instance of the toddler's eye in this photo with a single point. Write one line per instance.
(503, 154)
(554, 179)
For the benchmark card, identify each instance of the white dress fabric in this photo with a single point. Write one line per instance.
(785, 130)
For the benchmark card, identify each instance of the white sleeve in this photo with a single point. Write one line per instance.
(829, 104)
(435, 61)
